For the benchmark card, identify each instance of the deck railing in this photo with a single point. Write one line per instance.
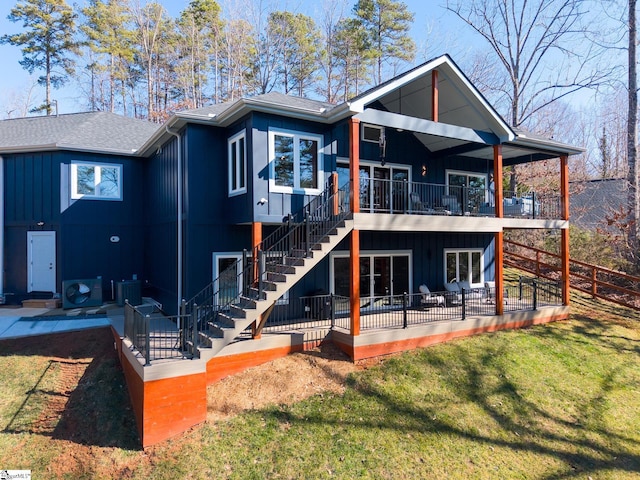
(156, 336)
(393, 311)
(600, 282)
(418, 198)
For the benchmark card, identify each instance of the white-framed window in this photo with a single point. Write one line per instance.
(371, 133)
(101, 181)
(295, 162)
(228, 277)
(237, 152)
(464, 265)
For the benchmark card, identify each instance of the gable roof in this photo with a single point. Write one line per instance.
(101, 132)
(468, 125)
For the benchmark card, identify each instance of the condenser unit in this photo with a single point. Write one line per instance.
(82, 293)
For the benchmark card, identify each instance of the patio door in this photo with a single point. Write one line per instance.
(382, 276)
(382, 189)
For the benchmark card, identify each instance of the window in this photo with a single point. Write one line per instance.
(237, 164)
(96, 181)
(464, 265)
(371, 133)
(295, 161)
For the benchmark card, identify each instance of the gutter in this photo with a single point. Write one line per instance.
(178, 214)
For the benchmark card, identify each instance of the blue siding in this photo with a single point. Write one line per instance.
(33, 191)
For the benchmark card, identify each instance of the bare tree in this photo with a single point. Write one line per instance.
(633, 218)
(535, 43)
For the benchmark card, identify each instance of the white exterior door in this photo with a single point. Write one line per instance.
(41, 261)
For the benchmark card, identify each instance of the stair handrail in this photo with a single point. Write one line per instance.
(297, 236)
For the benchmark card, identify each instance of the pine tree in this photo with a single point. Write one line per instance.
(386, 24)
(107, 28)
(47, 41)
(297, 39)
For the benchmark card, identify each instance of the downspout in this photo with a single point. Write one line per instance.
(1, 227)
(179, 214)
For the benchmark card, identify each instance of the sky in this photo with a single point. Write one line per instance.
(15, 82)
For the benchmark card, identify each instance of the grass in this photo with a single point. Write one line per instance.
(549, 402)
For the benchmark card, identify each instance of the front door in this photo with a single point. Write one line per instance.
(41, 261)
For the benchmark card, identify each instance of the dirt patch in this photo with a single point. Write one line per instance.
(281, 382)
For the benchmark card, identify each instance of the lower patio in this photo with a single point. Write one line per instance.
(167, 383)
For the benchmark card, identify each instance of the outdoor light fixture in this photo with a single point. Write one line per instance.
(382, 142)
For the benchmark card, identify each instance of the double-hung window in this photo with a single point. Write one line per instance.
(96, 181)
(237, 150)
(295, 161)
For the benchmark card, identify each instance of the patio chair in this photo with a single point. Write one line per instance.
(430, 299)
(451, 204)
(490, 293)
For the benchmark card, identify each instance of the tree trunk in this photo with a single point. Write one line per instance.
(632, 133)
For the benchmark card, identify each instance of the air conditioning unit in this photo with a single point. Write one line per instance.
(82, 293)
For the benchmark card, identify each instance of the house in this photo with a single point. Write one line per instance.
(73, 197)
(283, 213)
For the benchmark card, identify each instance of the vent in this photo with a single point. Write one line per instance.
(82, 293)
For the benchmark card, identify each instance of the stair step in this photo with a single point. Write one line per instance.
(300, 253)
(276, 277)
(294, 261)
(226, 320)
(237, 311)
(280, 268)
(204, 340)
(248, 303)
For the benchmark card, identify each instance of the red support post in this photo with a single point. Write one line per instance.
(499, 236)
(564, 244)
(354, 164)
(434, 96)
(354, 284)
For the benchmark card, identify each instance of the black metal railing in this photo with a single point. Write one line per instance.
(247, 279)
(395, 311)
(156, 336)
(417, 198)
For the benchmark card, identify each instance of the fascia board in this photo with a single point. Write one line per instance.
(67, 148)
(246, 106)
(551, 147)
(420, 125)
(358, 105)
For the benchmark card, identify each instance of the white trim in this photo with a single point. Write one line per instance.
(233, 143)
(51, 234)
(297, 136)
(75, 195)
(216, 256)
(371, 253)
(471, 251)
(364, 125)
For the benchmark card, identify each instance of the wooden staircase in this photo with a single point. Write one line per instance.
(227, 325)
(274, 266)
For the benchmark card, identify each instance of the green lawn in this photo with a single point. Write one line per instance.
(549, 402)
